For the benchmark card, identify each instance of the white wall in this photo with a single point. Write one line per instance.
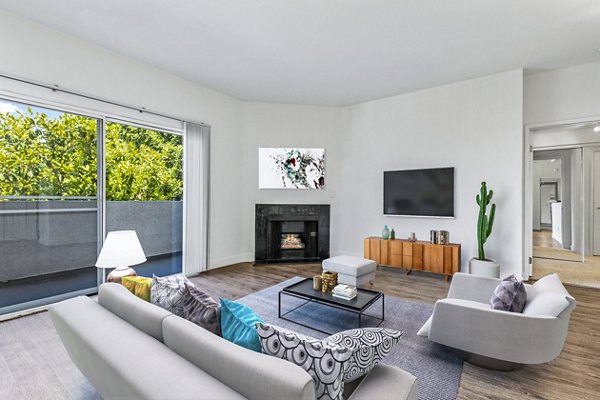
(34, 52)
(281, 125)
(562, 94)
(474, 126)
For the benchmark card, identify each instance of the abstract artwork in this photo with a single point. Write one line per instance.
(280, 168)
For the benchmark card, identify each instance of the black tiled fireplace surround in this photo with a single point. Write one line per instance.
(268, 219)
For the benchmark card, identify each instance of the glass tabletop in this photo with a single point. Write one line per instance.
(364, 297)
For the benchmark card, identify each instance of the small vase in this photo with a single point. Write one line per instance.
(392, 234)
(385, 234)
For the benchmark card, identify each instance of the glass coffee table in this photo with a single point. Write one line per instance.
(304, 290)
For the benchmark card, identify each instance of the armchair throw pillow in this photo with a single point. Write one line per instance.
(509, 295)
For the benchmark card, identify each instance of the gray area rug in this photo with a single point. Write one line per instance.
(437, 370)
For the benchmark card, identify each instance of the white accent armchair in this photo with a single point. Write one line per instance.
(500, 339)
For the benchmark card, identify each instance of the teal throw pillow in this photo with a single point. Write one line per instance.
(238, 325)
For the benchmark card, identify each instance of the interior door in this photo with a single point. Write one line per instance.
(596, 200)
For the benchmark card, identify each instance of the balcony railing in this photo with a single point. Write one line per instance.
(48, 234)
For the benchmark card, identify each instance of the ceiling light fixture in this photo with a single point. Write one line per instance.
(597, 127)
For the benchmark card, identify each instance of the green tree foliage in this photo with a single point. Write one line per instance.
(45, 156)
(143, 164)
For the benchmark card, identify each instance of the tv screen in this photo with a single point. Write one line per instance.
(419, 192)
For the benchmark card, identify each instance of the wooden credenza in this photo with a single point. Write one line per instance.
(421, 256)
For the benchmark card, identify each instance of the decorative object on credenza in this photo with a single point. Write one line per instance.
(443, 237)
(481, 265)
(412, 237)
(329, 281)
(393, 234)
(121, 249)
(317, 282)
(385, 233)
(291, 168)
(433, 237)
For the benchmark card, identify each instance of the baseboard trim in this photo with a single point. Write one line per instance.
(225, 261)
(249, 257)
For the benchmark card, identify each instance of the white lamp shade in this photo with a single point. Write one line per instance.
(121, 249)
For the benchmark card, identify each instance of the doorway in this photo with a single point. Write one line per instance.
(563, 202)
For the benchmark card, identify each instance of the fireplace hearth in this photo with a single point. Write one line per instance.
(288, 233)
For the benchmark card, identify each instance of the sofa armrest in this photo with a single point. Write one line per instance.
(476, 328)
(472, 287)
(386, 382)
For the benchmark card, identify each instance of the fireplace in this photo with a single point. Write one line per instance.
(288, 233)
(292, 241)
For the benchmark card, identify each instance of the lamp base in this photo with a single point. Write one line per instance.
(116, 275)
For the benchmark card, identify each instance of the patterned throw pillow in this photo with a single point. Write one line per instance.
(169, 293)
(509, 295)
(202, 310)
(138, 285)
(325, 362)
(371, 346)
(238, 325)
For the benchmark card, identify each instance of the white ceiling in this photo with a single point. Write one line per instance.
(330, 52)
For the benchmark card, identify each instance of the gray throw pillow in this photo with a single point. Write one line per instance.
(325, 362)
(201, 309)
(509, 295)
(371, 346)
(169, 292)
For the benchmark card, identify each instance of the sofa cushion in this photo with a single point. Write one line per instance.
(325, 362)
(370, 346)
(170, 293)
(138, 285)
(256, 376)
(123, 362)
(238, 324)
(548, 297)
(202, 310)
(143, 315)
(509, 295)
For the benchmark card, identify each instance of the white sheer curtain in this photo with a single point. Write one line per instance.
(196, 181)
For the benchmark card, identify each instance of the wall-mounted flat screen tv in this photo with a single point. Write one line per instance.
(419, 192)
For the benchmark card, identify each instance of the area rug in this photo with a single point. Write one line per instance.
(438, 370)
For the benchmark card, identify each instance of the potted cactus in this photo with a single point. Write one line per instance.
(481, 265)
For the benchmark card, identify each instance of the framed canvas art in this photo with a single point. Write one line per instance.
(291, 168)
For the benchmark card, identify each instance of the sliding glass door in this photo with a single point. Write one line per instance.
(144, 192)
(48, 204)
(66, 180)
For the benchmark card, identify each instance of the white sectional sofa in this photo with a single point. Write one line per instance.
(129, 348)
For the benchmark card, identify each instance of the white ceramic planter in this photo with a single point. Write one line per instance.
(489, 268)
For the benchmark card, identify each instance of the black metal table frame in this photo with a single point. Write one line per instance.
(334, 305)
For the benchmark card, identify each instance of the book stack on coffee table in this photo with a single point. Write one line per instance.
(344, 292)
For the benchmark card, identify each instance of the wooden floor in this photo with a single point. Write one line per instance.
(543, 238)
(35, 365)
